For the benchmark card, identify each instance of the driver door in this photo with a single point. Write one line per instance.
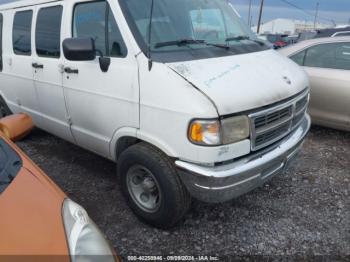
(99, 103)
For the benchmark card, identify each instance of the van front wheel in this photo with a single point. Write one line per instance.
(152, 187)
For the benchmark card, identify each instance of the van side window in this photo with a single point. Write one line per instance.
(96, 20)
(1, 42)
(21, 36)
(48, 32)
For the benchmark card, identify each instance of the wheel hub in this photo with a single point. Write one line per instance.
(143, 188)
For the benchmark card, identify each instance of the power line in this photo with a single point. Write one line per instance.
(260, 15)
(316, 14)
(305, 11)
(249, 12)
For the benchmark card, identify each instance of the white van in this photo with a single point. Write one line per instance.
(179, 93)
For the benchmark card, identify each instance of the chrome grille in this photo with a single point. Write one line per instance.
(274, 123)
(301, 103)
(297, 119)
(271, 134)
(269, 119)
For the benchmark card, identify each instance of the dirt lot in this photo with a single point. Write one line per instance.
(305, 212)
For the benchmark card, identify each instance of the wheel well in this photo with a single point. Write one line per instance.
(124, 143)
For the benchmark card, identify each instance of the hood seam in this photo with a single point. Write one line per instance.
(198, 89)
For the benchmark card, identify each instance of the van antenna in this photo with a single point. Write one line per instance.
(150, 63)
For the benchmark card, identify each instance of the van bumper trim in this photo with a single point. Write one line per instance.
(225, 182)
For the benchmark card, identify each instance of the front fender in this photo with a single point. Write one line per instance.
(138, 134)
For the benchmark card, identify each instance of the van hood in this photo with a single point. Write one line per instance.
(244, 82)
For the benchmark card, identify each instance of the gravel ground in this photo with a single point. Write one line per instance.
(305, 212)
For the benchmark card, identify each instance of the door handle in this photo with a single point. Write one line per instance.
(36, 65)
(69, 70)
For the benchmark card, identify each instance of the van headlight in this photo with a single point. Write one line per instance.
(219, 132)
(234, 129)
(84, 238)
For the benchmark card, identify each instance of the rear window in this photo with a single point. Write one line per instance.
(22, 29)
(48, 32)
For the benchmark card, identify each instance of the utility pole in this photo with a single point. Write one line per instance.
(249, 13)
(316, 14)
(260, 15)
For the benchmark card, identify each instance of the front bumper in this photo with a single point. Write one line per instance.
(228, 181)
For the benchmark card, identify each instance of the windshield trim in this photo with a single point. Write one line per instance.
(133, 28)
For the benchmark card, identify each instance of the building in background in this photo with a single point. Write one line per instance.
(288, 26)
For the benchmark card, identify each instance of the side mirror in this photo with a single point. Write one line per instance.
(105, 62)
(116, 49)
(79, 49)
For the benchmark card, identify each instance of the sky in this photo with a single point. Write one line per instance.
(330, 10)
(336, 10)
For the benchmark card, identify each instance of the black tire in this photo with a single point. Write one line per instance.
(175, 201)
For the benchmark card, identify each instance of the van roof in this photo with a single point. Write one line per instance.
(24, 3)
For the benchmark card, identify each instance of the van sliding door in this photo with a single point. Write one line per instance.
(19, 72)
(47, 65)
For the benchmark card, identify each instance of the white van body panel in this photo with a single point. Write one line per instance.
(168, 104)
(25, 3)
(244, 82)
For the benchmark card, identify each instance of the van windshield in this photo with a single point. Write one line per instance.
(165, 26)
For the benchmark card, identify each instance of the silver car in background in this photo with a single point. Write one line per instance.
(327, 62)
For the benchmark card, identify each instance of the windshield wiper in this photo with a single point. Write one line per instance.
(218, 45)
(237, 38)
(189, 42)
(179, 42)
(242, 37)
